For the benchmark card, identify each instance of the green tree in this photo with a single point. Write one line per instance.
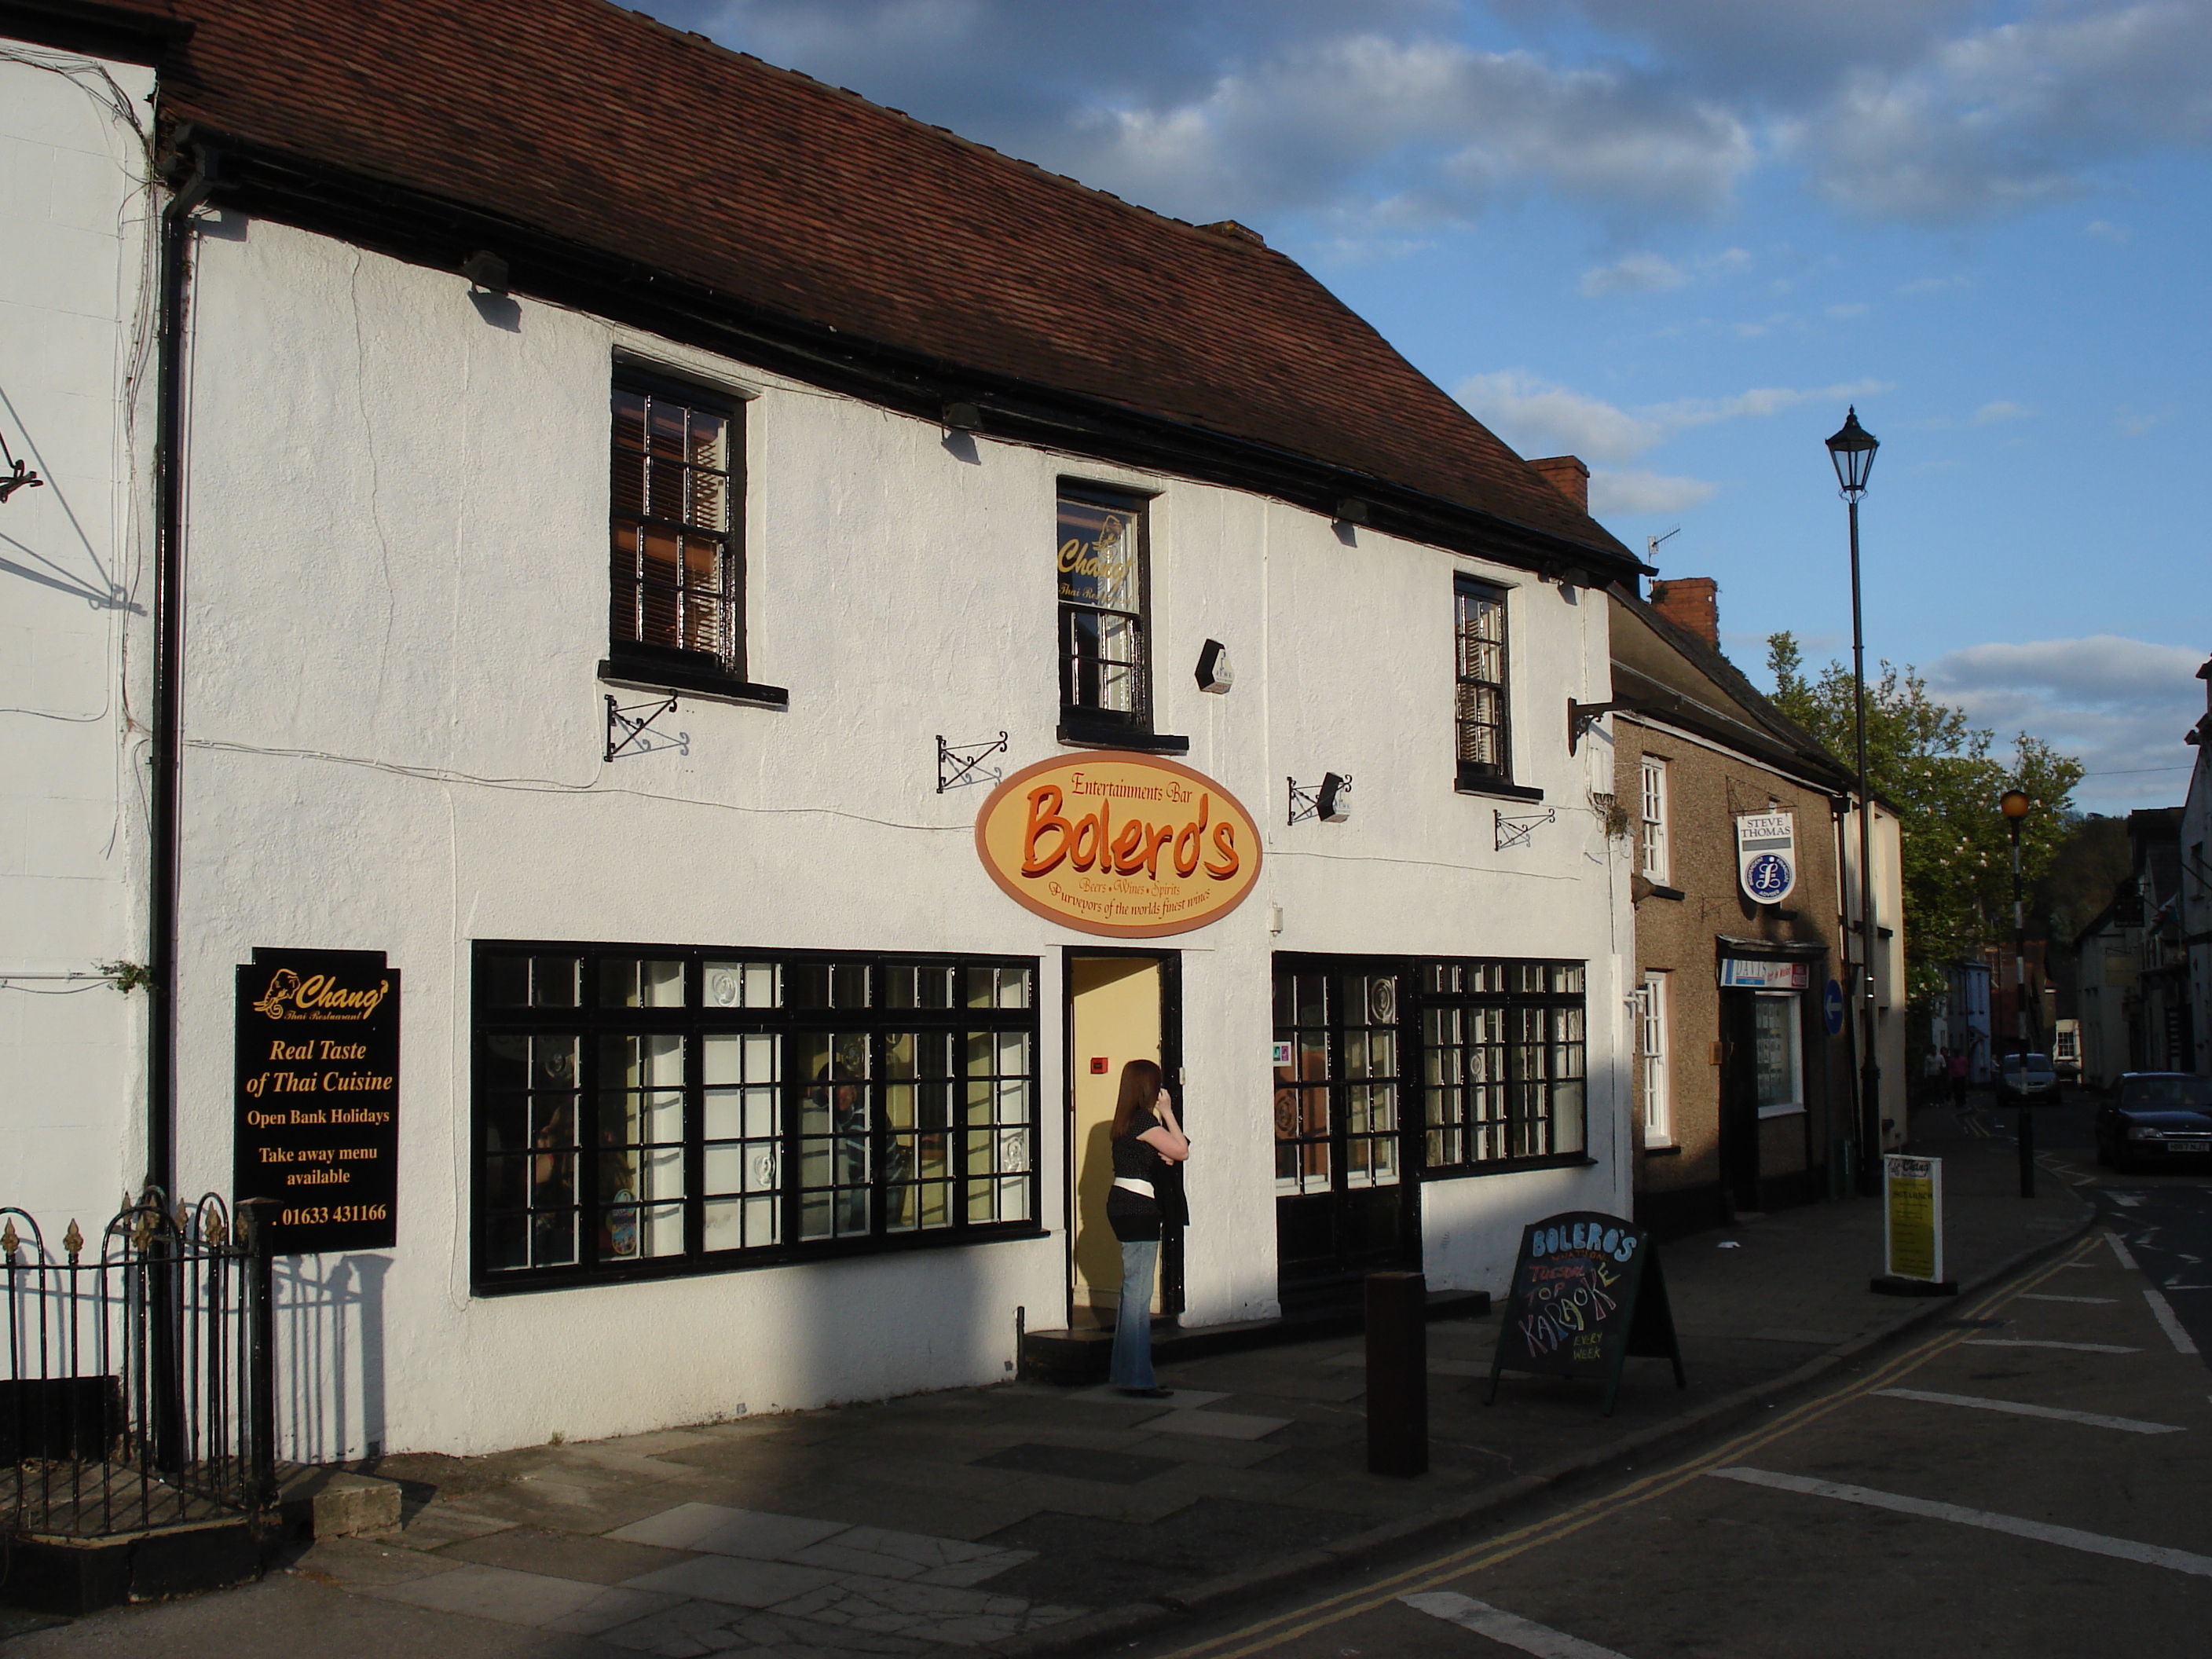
(1936, 771)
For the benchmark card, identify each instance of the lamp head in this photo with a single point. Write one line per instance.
(2014, 805)
(1852, 451)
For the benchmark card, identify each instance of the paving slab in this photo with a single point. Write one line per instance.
(734, 1579)
(530, 1598)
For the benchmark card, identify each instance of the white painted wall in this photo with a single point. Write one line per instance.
(74, 279)
(396, 536)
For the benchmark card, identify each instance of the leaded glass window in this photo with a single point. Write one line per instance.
(1504, 1063)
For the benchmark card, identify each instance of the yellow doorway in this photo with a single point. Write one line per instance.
(1114, 1017)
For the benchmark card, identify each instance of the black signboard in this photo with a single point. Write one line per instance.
(1587, 1293)
(318, 1092)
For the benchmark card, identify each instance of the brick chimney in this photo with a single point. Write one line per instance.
(1567, 475)
(1692, 605)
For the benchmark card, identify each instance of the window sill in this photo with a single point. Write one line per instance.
(1795, 1110)
(670, 677)
(521, 1281)
(1662, 1152)
(1656, 892)
(1496, 786)
(1143, 743)
(1512, 1166)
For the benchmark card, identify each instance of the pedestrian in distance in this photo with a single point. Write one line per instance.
(1959, 1077)
(1148, 1144)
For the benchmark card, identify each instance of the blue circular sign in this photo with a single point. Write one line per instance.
(1768, 879)
(1831, 1008)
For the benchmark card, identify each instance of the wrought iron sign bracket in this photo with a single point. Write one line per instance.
(633, 725)
(1326, 800)
(1583, 717)
(14, 474)
(958, 762)
(1515, 831)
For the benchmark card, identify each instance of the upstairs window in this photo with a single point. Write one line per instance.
(1484, 738)
(675, 581)
(1099, 558)
(1653, 846)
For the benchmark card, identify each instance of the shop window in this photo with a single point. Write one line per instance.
(1484, 737)
(1336, 1100)
(1504, 1064)
(1652, 1057)
(646, 1112)
(1653, 844)
(1777, 1069)
(1099, 560)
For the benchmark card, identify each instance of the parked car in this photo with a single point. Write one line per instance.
(2027, 1080)
(2158, 1116)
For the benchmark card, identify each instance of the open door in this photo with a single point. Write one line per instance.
(1121, 1005)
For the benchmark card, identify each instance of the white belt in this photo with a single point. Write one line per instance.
(1130, 1183)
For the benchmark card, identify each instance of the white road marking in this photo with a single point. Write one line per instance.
(2119, 1250)
(2031, 1342)
(2132, 1424)
(2092, 1543)
(2128, 1200)
(1498, 1626)
(2036, 1296)
(2163, 1310)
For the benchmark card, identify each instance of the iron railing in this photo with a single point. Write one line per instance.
(138, 1388)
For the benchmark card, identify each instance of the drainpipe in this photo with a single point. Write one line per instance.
(168, 665)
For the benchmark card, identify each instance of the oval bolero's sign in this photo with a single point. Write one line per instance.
(1123, 844)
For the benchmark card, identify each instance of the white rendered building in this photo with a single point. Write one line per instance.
(732, 1073)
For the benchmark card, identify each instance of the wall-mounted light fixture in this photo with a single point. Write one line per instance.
(485, 269)
(1214, 673)
(1329, 800)
(962, 417)
(1352, 510)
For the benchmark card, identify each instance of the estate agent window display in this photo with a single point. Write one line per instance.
(641, 1111)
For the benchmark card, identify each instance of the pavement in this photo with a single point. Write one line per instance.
(1026, 1519)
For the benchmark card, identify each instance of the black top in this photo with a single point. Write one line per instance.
(1135, 1158)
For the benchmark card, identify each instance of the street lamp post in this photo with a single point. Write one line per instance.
(2015, 806)
(1852, 451)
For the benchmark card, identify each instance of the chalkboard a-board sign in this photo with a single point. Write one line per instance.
(1587, 1293)
(317, 1098)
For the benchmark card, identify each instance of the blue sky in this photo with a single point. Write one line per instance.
(1677, 238)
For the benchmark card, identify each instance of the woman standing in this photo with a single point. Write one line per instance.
(1147, 1142)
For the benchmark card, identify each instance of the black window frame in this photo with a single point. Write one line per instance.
(1081, 722)
(1475, 776)
(875, 1019)
(1500, 984)
(633, 660)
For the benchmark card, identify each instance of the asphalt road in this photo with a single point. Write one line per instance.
(2030, 1480)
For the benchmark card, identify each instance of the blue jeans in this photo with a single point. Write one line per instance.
(1132, 1366)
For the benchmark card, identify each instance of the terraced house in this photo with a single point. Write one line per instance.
(653, 674)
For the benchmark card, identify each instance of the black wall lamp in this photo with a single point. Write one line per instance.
(1330, 800)
(1214, 672)
(485, 269)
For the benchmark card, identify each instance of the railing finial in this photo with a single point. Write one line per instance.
(72, 1240)
(9, 1243)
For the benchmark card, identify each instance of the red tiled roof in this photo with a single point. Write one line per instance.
(633, 139)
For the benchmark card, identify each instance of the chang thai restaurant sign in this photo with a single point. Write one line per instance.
(1766, 855)
(316, 1080)
(1122, 844)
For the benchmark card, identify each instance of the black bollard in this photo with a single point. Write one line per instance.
(2026, 1149)
(1397, 1374)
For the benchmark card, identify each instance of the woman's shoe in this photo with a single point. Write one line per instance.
(1149, 1393)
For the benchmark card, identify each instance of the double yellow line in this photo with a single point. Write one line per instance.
(1475, 1557)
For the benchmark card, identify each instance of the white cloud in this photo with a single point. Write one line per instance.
(2118, 705)
(2001, 409)
(2105, 230)
(1625, 493)
(1539, 418)
(1920, 109)
(1930, 284)
(1639, 273)
(1843, 314)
